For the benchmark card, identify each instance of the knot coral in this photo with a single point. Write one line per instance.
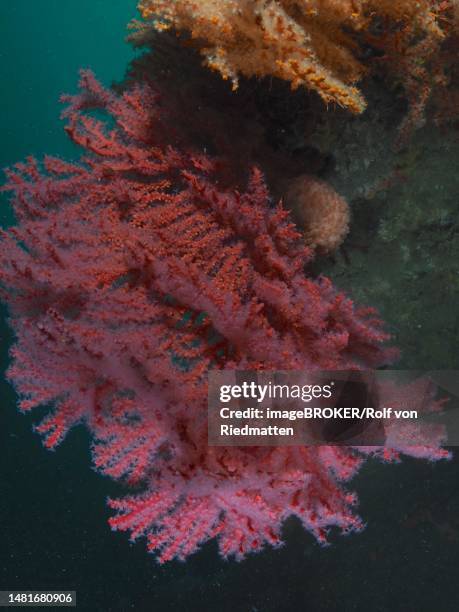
(129, 276)
(320, 211)
(316, 44)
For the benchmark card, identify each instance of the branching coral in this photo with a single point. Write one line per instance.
(313, 43)
(129, 277)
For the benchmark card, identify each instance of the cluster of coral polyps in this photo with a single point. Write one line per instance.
(129, 276)
(311, 43)
(321, 212)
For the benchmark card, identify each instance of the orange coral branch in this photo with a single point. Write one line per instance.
(310, 43)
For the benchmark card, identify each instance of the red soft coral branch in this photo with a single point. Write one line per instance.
(129, 276)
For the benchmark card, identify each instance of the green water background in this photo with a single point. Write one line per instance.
(43, 46)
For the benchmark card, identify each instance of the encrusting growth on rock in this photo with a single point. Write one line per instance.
(320, 212)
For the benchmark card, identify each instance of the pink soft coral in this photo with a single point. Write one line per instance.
(129, 276)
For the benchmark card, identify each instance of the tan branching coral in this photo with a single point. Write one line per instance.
(319, 211)
(311, 43)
